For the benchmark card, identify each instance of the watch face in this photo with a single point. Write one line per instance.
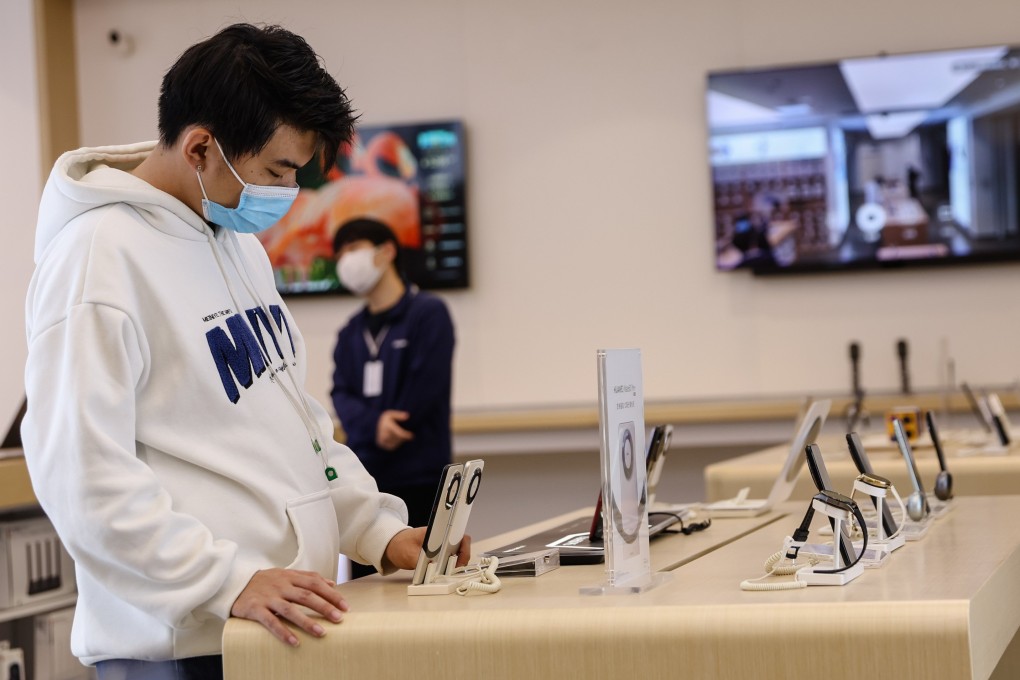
(875, 480)
(835, 499)
(627, 449)
(627, 496)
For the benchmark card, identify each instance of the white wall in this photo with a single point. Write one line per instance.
(20, 186)
(589, 189)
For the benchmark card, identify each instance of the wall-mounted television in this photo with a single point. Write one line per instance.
(410, 177)
(871, 162)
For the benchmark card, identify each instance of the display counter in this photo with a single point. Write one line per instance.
(975, 473)
(947, 606)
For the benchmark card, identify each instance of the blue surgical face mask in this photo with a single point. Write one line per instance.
(259, 207)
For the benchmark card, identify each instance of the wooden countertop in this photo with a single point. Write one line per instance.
(945, 606)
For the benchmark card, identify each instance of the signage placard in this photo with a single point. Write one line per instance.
(624, 485)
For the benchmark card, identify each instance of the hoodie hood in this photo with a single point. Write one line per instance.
(90, 178)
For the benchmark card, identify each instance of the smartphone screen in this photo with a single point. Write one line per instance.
(820, 476)
(999, 418)
(439, 520)
(595, 533)
(908, 456)
(975, 406)
(468, 491)
(933, 431)
(860, 459)
(657, 448)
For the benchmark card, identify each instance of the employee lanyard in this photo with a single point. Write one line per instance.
(372, 378)
(375, 344)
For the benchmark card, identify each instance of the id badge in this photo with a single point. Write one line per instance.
(373, 379)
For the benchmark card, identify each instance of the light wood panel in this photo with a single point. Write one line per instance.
(15, 486)
(695, 411)
(58, 83)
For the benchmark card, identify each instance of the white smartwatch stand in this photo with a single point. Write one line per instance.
(812, 575)
(881, 542)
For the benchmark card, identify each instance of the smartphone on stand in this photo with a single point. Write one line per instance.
(860, 458)
(447, 496)
(820, 476)
(657, 448)
(999, 419)
(979, 407)
(461, 512)
(917, 510)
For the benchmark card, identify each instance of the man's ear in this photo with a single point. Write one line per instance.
(195, 143)
(389, 251)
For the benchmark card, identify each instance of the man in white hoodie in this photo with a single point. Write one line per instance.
(168, 435)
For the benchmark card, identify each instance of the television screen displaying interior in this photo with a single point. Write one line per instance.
(871, 162)
(410, 177)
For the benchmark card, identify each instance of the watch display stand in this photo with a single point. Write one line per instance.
(881, 542)
(821, 574)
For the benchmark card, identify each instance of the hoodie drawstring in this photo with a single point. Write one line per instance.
(300, 407)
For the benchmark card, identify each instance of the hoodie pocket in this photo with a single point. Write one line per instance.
(317, 532)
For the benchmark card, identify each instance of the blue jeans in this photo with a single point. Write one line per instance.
(194, 668)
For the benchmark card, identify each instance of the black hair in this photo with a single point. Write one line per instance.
(246, 81)
(366, 229)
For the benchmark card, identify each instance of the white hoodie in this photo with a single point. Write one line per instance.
(173, 462)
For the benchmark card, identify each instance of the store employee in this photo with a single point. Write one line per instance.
(392, 382)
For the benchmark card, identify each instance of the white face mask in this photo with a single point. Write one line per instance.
(357, 271)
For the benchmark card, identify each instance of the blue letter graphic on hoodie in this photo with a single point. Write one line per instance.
(241, 360)
(237, 359)
(258, 319)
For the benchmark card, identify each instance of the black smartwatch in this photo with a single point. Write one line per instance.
(838, 500)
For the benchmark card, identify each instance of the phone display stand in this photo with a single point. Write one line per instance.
(1001, 426)
(441, 584)
(812, 575)
(915, 531)
(448, 582)
(939, 509)
(880, 542)
(436, 572)
(438, 584)
(873, 557)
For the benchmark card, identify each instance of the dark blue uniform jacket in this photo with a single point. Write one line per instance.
(416, 353)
